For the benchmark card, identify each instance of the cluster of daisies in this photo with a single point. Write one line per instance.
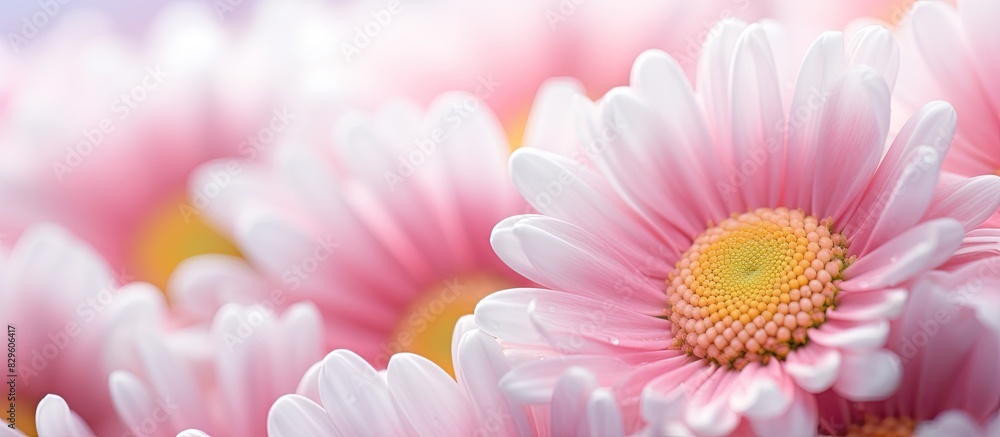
(729, 218)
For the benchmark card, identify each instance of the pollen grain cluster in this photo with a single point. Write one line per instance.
(883, 427)
(750, 288)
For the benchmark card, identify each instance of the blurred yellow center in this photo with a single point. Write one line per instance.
(427, 328)
(171, 234)
(748, 289)
(515, 127)
(26, 417)
(883, 427)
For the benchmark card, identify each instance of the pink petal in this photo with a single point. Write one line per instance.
(505, 315)
(903, 185)
(714, 81)
(534, 382)
(838, 334)
(875, 47)
(559, 188)
(576, 324)
(854, 126)
(710, 411)
(814, 367)
(920, 248)
(939, 36)
(822, 65)
(868, 306)
(757, 118)
(970, 201)
(572, 259)
(661, 84)
(635, 165)
(979, 18)
(868, 375)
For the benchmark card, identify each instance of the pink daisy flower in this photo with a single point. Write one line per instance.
(386, 229)
(249, 363)
(83, 109)
(344, 395)
(949, 384)
(726, 256)
(952, 54)
(67, 318)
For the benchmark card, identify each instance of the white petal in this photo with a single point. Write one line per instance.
(875, 47)
(356, 398)
(814, 368)
(134, 401)
(757, 118)
(799, 420)
(762, 391)
(837, 334)
(603, 415)
(294, 416)
(53, 418)
(569, 400)
(428, 397)
(550, 126)
(868, 375)
(481, 365)
(949, 423)
(309, 385)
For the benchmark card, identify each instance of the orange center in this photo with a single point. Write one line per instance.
(883, 427)
(749, 288)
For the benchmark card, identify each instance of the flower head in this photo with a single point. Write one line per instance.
(735, 257)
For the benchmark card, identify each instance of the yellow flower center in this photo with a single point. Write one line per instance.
(171, 234)
(883, 427)
(426, 328)
(25, 418)
(749, 289)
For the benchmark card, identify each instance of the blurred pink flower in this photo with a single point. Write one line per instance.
(344, 395)
(953, 54)
(221, 380)
(950, 385)
(100, 133)
(70, 319)
(386, 229)
(784, 237)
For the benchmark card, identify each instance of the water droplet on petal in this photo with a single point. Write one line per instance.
(614, 340)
